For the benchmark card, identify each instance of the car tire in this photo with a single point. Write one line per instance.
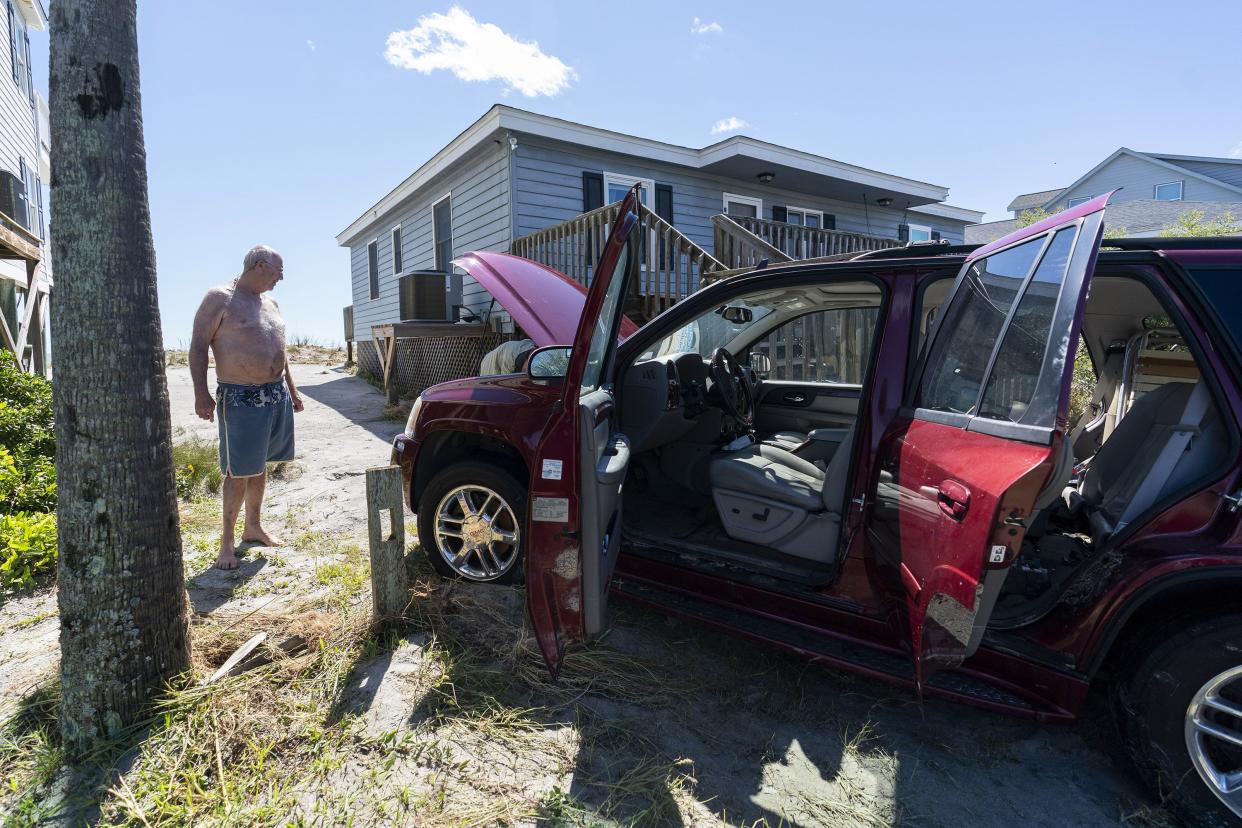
(446, 528)
(1153, 709)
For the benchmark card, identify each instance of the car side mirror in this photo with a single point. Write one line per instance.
(548, 363)
(736, 315)
(761, 363)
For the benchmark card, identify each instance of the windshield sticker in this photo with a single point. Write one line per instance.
(550, 509)
(552, 469)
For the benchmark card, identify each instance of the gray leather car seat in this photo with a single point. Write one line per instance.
(768, 496)
(1113, 483)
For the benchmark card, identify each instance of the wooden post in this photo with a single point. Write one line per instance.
(390, 584)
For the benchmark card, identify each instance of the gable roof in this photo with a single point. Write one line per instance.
(1029, 200)
(1153, 160)
(715, 158)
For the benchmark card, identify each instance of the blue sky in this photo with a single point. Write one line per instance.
(280, 122)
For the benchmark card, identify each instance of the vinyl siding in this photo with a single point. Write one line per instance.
(548, 190)
(1228, 173)
(1139, 177)
(479, 186)
(18, 124)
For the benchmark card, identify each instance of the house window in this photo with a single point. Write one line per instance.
(396, 250)
(616, 186)
(920, 233)
(743, 206)
(1074, 202)
(804, 218)
(1171, 191)
(373, 267)
(442, 233)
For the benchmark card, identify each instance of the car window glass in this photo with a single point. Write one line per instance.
(709, 331)
(1016, 373)
(960, 354)
(604, 325)
(824, 346)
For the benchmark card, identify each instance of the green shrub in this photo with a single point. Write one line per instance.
(197, 465)
(27, 549)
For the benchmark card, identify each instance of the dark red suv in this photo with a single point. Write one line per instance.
(893, 464)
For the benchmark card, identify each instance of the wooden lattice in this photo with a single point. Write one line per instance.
(421, 362)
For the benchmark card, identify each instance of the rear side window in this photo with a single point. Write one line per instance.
(959, 359)
(1222, 286)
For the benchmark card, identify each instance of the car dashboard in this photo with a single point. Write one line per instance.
(662, 398)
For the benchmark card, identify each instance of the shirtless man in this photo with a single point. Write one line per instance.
(255, 394)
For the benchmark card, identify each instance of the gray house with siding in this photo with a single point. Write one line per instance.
(1153, 190)
(514, 177)
(25, 166)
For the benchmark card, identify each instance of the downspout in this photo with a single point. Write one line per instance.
(513, 145)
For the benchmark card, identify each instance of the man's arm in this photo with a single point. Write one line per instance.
(206, 323)
(293, 389)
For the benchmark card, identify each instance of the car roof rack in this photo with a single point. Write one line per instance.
(1174, 243)
(918, 250)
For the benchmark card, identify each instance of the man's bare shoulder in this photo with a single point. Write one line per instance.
(218, 296)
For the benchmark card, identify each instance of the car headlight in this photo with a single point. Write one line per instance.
(413, 418)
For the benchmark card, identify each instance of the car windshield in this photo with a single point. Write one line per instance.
(711, 330)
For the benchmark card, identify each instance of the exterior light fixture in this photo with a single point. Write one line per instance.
(765, 177)
(884, 202)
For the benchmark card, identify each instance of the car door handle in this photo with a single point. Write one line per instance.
(795, 398)
(610, 470)
(953, 499)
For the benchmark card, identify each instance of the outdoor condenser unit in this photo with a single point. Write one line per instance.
(13, 198)
(430, 296)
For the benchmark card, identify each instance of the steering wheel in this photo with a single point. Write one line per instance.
(736, 395)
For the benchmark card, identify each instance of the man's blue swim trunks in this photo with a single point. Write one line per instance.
(256, 426)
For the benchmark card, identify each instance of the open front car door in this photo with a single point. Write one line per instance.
(574, 527)
(983, 431)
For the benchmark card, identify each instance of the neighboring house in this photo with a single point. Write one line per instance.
(1156, 188)
(517, 180)
(25, 166)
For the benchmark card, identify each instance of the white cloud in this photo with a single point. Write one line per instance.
(730, 124)
(310, 44)
(475, 51)
(1236, 152)
(699, 27)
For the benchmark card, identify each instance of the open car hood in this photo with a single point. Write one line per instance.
(544, 303)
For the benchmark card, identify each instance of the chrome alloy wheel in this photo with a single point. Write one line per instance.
(477, 533)
(1214, 736)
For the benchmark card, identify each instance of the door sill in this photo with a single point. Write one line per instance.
(735, 560)
(821, 646)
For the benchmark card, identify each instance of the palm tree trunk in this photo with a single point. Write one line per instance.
(124, 631)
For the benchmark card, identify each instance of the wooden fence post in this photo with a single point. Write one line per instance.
(390, 584)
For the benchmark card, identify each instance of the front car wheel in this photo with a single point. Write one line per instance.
(470, 523)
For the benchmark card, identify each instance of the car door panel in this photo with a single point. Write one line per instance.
(802, 406)
(579, 466)
(962, 465)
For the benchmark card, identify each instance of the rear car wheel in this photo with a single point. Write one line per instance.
(1181, 715)
(470, 521)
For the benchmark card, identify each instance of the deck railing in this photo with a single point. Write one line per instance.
(792, 241)
(673, 266)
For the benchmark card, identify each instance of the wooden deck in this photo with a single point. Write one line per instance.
(16, 242)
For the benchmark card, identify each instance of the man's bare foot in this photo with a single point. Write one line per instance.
(260, 536)
(227, 558)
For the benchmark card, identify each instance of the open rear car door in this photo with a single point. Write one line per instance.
(983, 431)
(574, 526)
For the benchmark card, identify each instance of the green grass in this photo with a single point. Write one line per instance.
(197, 463)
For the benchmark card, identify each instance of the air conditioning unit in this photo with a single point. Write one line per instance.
(13, 198)
(430, 296)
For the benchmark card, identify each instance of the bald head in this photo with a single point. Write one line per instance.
(262, 268)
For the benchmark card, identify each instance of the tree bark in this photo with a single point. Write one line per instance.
(124, 630)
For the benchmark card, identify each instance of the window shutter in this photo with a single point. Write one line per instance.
(903, 233)
(664, 202)
(592, 191)
(396, 251)
(935, 235)
(830, 221)
(12, 43)
(779, 213)
(373, 268)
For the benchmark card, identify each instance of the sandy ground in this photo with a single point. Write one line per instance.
(753, 735)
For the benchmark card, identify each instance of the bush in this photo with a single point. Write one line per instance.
(27, 477)
(28, 547)
(197, 465)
